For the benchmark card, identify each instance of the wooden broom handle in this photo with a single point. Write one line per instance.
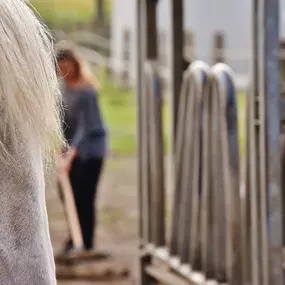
(71, 211)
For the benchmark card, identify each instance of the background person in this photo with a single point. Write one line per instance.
(87, 137)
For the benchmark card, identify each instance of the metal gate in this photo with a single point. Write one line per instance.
(224, 229)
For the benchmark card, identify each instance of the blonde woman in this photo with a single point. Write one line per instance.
(87, 137)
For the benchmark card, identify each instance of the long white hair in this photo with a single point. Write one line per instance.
(30, 100)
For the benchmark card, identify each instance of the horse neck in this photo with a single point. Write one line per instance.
(25, 249)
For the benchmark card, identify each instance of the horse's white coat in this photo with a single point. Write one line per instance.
(29, 136)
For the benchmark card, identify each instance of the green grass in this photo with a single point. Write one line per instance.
(66, 12)
(119, 112)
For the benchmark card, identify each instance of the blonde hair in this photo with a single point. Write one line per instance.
(30, 99)
(68, 50)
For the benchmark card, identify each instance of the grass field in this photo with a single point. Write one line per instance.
(64, 12)
(119, 111)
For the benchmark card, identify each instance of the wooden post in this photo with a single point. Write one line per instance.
(219, 48)
(126, 57)
(100, 15)
(189, 45)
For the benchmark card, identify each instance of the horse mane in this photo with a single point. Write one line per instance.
(30, 100)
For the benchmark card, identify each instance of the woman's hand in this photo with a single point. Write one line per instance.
(66, 160)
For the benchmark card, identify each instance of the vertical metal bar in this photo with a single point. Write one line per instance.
(142, 143)
(139, 116)
(176, 40)
(158, 101)
(253, 157)
(194, 184)
(145, 180)
(260, 106)
(152, 155)
(156, 153)
(179, 162)
(206, 198)
(282, 140)
(151, 54)
(200, 81)
(148, 23)
(184, 221)
(230, 170)
(149, 51)
(245, 205)
(272, 97)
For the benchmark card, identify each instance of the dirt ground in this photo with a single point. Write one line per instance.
(117, 221)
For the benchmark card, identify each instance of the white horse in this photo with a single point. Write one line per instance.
(30, 138)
